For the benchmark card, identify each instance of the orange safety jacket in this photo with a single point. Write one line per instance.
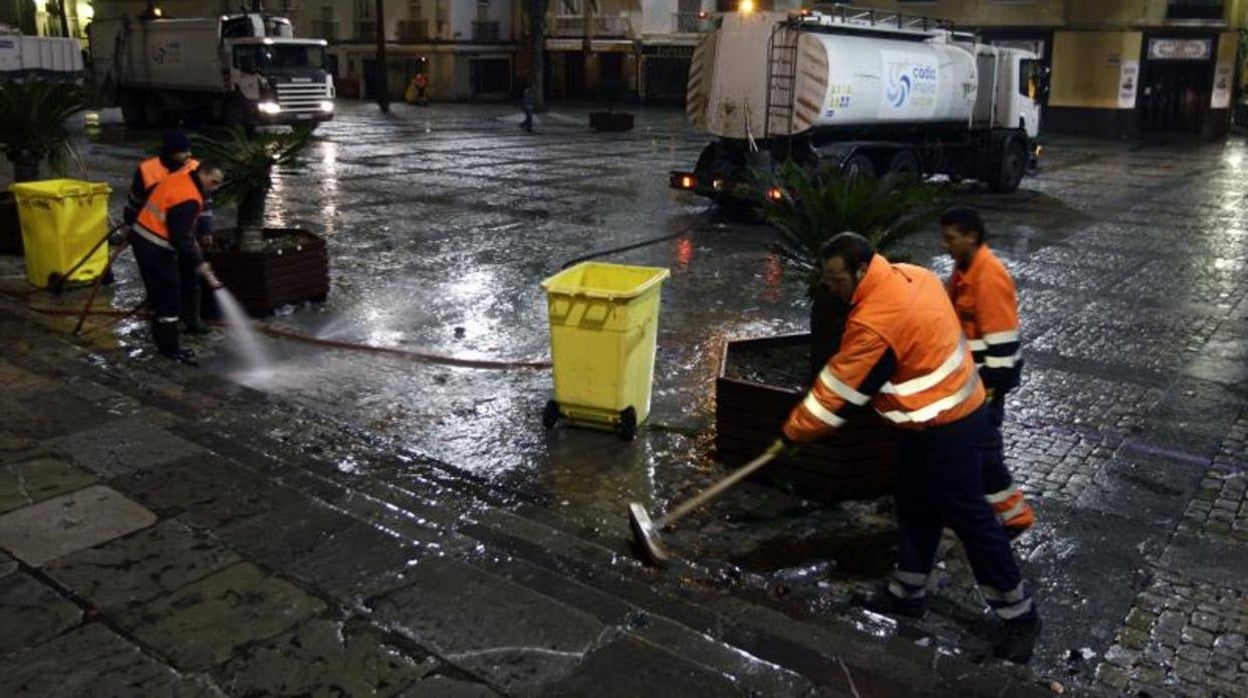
(176, 189)
(153, 171)
(902, 351)
(987, 304)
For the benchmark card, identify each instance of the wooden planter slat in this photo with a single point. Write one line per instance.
(262, 281)
(855, 462)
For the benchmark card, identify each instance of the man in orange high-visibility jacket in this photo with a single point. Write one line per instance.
(986, 301)
(903, 354)
(163, 238)
(175, 156)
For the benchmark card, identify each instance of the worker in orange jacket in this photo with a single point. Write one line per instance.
(903, 354)
(174, 157)
(163, 239)
(986, 301)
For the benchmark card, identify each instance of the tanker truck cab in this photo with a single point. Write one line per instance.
(863, 91)
(279, 80)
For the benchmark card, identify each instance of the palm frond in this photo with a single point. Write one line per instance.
(820, 203)
(248, 159)
(34, 118)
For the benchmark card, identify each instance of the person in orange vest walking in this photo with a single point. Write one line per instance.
(986, 301)
(903, 354)
(163, 238)
(416, 87)
(175, 156)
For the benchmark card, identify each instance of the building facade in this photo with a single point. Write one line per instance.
(1120, 68)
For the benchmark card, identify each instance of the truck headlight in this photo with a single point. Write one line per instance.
(327, 105)
(269, 108)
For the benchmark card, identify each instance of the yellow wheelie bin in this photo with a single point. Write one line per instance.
(604, 320)
(61, 220)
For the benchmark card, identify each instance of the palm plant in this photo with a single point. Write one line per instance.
(34, 118)
(247, 160)
(821, 203)
(818, 204)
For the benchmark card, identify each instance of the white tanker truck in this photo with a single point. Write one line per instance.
(866, 91)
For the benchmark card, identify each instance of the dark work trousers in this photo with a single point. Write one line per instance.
(190, 294)
(940, 483)
(159, 268)
(997, 476)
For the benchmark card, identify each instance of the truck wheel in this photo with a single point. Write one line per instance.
(904, 164)
(858, 166)
(235, 114)
(153, 110)
(132, 109)
(1012, 166)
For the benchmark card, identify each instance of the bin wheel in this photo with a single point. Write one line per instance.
(550, 415)
(628, 424)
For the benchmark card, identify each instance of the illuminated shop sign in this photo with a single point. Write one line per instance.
(1180, 49)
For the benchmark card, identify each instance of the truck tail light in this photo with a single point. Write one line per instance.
(683, 180)
(775, 194)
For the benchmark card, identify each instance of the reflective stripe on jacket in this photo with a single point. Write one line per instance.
(902, 351)
(987, 304)
(176, 189)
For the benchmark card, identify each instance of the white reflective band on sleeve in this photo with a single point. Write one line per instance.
(913, 579)
(1013, 611)
(835, 385)
(821, 413)
(1005, 516)
(923, 414)
(918, 385)
(897, 589)
(1012, 596)
(1001, 496)
(167, 320)
(151, 237)
(1001, 337)
(1000, 361)
(978, 344)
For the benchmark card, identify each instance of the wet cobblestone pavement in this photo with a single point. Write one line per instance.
(219, 531)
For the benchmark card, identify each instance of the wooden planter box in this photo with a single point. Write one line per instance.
(10, 226)
(610, 121)
(293, 268)
(751, 406)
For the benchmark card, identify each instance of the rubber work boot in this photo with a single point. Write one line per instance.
(887, 603)
(166, 335)
(1018, 638)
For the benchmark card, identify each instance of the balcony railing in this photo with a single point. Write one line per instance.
(616, 27)
(692, 22)
(485, 32)
(326, 29)
(413, 31)
(1195, 9)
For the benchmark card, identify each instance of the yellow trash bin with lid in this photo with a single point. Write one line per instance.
(604, 320)
(62, 219)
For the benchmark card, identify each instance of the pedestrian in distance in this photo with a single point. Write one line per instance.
(902, 353)
(984, 296)
(528, 102)
(415, 93)
(175, 156)
(163, 238)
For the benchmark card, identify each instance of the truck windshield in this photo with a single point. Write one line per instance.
(1033, 79)
(280, 58)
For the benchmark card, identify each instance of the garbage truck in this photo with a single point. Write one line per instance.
(864, 91)
(240, 70)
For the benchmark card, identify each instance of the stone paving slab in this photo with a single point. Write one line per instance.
(7, 564)
(141, 566)
(122, 447)
(615, 671)
(94, 661)
(31, 612)
(324, 657)
(25, 482)
(203, 624)
(54, 527)
(205, 491)
(357, 563)
(45, 413)
(518, 640)
(444, 687)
